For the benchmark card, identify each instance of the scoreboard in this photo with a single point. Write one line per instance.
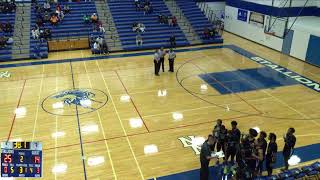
(21, 159)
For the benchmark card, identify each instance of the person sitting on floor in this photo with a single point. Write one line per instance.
(160, 18)
(134, 26)
(137, 4)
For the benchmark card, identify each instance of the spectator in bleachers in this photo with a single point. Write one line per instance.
(8, 28)
(160, 18)
(174, 21)
(94, 18)
(66, 9)
(54, 19)
(2, 26)
(101, 29)
(212, 32)
(3, 41)
(46, 6)
(96, 48)
(146, 9)
(46, 17)
(39, 22)
(7, 7)
(139, 40)
(58, 7)
(100, 40)
(141, 28)
(9, 41)
(86, 18)
(47, 34)
(134, 26)
(137, 4)
(173, 41)
(206, 33)
(35, 33)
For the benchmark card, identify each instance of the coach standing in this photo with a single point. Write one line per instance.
(156, 61)
(162, 54)
(205, 157)
(172, 56)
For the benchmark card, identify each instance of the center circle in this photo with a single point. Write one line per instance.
(73, 102)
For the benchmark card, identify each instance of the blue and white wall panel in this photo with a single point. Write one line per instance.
(249, 31)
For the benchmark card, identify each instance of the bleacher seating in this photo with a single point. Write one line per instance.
(197, 19)
(156, 34)
(5, 53)
(307, 172)
(72, 25)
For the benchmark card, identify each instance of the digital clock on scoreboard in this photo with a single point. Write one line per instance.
(21, 159)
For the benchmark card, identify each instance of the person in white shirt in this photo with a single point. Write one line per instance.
(35, 33)
(101, 29)
(46, 6)
(96, 48)
(156, 61)
(172, 56)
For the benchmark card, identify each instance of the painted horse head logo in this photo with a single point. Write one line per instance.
(77, 97)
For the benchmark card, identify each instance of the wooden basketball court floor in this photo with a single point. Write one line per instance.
(130, 128)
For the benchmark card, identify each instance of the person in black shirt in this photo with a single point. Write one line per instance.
(290, 142)
(216, 131)
(222, 139)
(271, 153)
(264, 144)
(205, 157)
(233, 143)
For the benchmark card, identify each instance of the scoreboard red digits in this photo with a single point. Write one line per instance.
(21, 159)
(36, 159)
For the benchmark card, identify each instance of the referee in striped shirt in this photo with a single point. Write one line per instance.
(156, 62)
(172, 56)
(162, 54)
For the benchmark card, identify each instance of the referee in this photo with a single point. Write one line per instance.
(172, 56)
(205, 157)
(162, 54)
(156, 61)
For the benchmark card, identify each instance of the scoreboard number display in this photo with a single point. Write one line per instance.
(21, 159)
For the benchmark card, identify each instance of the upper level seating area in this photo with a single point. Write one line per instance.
(5, 52)
(124, 15)
(72, 26)
(197, 19)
